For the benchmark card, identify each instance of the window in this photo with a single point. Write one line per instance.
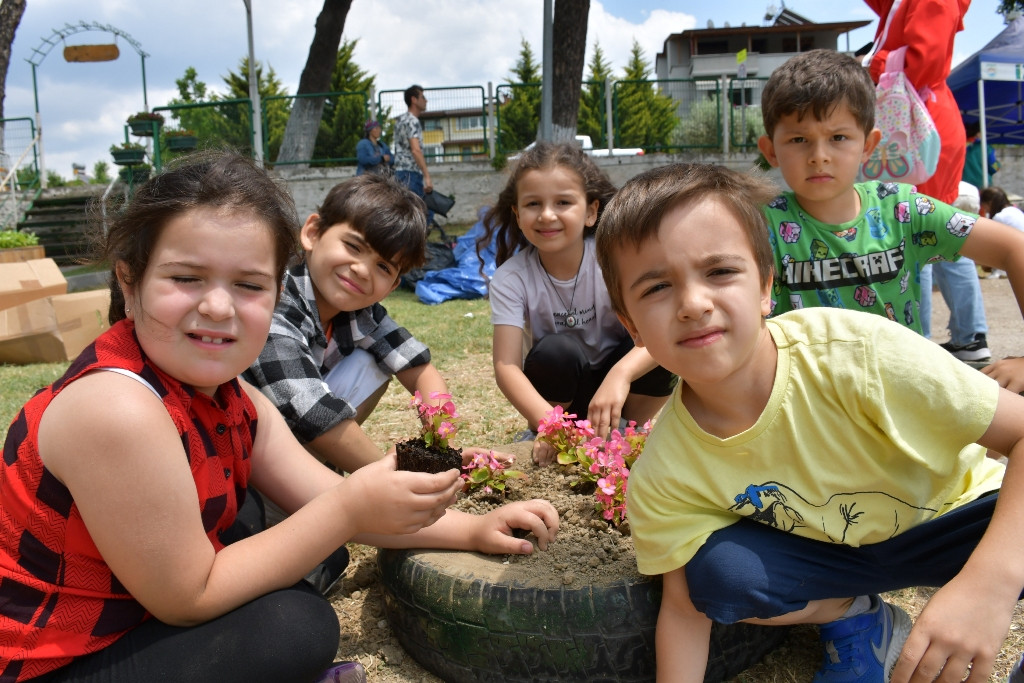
(469, 122)
(432, 124)
(712, 47)
(432, 152)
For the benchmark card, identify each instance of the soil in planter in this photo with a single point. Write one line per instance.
(415, 456)
(587, 548)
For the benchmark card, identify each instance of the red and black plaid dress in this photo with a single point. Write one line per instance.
(58, 598)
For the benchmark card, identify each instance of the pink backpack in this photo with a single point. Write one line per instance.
(909, 149)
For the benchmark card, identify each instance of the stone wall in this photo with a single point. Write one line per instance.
(476, 184)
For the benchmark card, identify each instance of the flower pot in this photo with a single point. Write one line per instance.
(143, 127)
(182, 143)
(128, 157)
(134, 176)
(18, 254)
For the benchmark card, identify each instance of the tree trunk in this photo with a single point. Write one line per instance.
(304, 121)
(10, 17)
(570, 46)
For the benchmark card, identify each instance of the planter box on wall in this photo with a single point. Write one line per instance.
(19, 254)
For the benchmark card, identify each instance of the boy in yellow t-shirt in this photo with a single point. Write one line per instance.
(807, 462)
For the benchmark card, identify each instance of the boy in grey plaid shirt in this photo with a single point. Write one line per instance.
(333, 348)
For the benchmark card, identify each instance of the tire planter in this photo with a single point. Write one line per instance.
(464, 617)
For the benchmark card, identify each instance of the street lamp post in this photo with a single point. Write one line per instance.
(254, 91)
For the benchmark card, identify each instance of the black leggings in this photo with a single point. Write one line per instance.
(559, 369)
(288, 635)
(284, 636)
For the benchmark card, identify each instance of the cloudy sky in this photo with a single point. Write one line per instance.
(432, 42)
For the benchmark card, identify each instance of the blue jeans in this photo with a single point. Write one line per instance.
(751, 570)
(961, 290)
(414, 181)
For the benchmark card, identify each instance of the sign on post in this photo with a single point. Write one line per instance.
(1002, 71)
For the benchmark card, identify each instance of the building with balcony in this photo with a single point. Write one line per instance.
(711, 52)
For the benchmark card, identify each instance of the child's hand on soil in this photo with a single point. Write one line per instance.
(469, 451)
(495, 530)
(385, 501)
(543, 453)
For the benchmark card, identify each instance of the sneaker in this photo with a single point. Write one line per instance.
(345, 672)
(325, 576)
(976, 351)
(864, 648)
(525, 435)
(1017, 672)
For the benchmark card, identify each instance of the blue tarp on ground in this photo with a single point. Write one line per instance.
(463, 280)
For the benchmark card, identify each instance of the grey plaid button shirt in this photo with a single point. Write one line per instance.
(291, 367)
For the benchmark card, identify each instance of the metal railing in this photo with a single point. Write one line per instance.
(456, 125)
(19, 135)
(473, 123)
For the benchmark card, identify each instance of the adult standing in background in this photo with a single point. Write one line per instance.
(410, 164)
(372, 154)
(973, 163)
(927, 29)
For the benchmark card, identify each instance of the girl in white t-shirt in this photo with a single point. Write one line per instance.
(996, 205)
(548, 295)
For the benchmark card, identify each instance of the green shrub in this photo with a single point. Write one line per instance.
(12, 239)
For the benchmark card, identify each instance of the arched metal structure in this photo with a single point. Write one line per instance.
(56, 37)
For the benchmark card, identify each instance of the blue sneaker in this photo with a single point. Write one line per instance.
(864, 648)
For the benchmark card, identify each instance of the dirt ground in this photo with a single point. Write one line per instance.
(367, 637)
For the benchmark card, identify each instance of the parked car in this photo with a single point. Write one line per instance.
(587, 145)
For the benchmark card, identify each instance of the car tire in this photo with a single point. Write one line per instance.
(464, 617)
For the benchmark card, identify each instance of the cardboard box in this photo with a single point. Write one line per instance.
(52, 329)
(30, 280)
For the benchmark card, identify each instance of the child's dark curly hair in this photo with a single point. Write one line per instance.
(500, 218)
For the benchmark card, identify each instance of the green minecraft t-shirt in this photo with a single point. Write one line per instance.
(872, 263)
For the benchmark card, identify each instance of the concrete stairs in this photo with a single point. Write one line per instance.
(60, 218)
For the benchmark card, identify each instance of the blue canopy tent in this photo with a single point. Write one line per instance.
(989, 88)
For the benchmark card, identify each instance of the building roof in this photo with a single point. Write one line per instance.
(785, 21)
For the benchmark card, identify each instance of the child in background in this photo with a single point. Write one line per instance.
(548, 291)
(854, 245)
(333, 348)
(810, 461)
(122, 553)
(996, 205)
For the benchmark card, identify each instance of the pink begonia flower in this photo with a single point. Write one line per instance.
(445, 430)
(607, 485)
(440, 395)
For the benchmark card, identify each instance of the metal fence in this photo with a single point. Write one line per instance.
(745, 122)
(223, 123)
(470, 123)
(341, 126)
(19, 166)
(456, 124)
(695, 107)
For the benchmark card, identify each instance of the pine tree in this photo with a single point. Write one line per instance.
(275, 111)
(592, 118)
(341, 125)
(519, 114)
(643, 117)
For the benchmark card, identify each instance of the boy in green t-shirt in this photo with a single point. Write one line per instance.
(853, 245)
(807, 462)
